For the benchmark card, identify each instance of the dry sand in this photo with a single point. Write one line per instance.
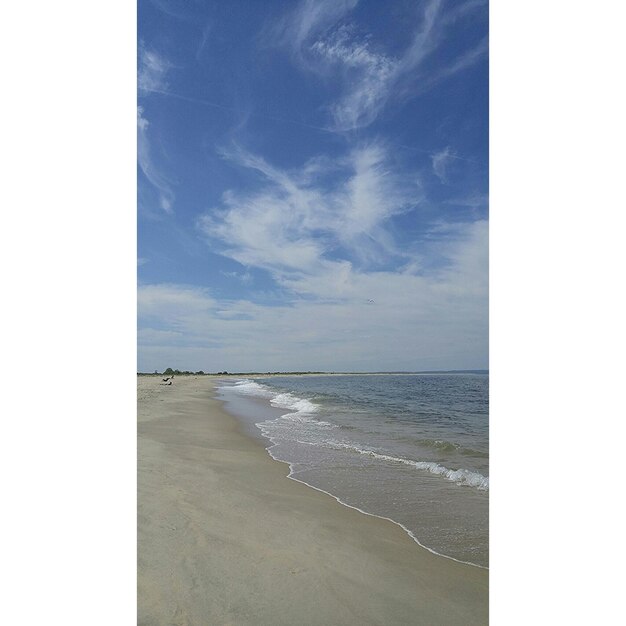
(226, 538)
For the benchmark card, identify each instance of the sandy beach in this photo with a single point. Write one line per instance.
(224, 537)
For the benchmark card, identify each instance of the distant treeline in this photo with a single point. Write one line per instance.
(170, 372)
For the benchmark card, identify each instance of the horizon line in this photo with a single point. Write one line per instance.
(251, 373)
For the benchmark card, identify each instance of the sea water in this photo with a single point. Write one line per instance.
(413, 448)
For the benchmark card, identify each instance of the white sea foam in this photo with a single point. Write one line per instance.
(460, 476)
(300, 409)
(293, 403)
(250, 388)
(300, 426)
(409, 532)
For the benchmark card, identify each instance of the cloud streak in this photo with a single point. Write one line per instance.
(151, 78)
(349, 260)
(146, 163)
(418, 321)
(323, 41)
(151, 72)
(306, 21)
(348, 296)
(441, 161)
(304, 220)
(308, 227)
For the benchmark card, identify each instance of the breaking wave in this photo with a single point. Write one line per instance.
(301, 426)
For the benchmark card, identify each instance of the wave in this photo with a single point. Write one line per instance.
(300, 409)
(301, 414)
(448, 446)
(279, 400)
(301, 425)
(248, 387)
(294, 403)
(460, 476)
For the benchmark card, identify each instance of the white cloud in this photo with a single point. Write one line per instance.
(428, 321)
(156, 177)
(323, 42)
(152, 71)
(472, 200)
(309, 18)
(467, 59)
(322, 232)
(307, 228)
(297, 218)
(244, 277)
(203, 40)
(151, 74)
(441, 161)
(365, 74)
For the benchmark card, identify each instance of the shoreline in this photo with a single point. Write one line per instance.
(388, 519)
(268, 444)
(253, 375)
(224, 538)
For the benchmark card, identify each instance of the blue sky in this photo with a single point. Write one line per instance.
(313, 185)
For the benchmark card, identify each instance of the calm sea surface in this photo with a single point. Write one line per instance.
(410, 447)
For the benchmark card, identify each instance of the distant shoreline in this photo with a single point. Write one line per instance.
(382, 373)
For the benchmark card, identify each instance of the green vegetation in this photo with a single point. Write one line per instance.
(172, 372)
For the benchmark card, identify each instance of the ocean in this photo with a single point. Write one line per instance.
(413, 448)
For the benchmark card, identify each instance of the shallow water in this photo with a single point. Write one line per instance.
(411, 447)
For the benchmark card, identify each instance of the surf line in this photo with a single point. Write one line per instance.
(291, 476)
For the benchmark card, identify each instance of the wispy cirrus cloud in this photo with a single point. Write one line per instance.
(298, 220)
(151, 78)
(244, 277)
(155, 176)
(473, 200)
(365, 74)
(306, 21)
(152, 71)
(322, 40)
(322, 232)
(354, 259)
(204, 38)
(421, 320)
(441, 161)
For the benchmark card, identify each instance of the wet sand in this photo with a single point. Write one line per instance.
(224, 537)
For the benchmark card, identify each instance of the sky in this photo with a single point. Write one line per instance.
(312, 185)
